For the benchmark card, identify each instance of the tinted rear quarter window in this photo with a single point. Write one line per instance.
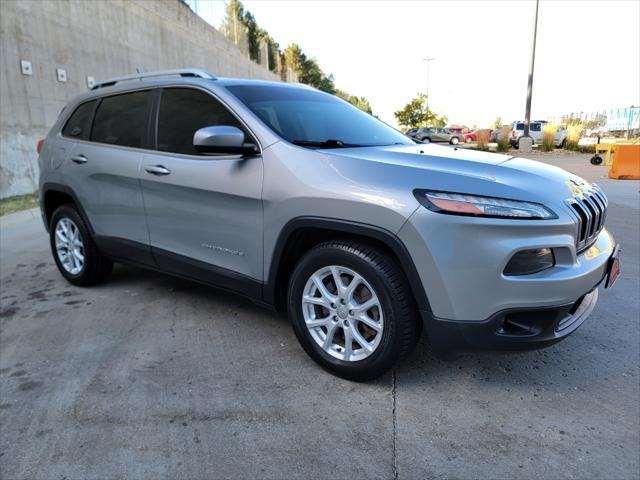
(122, 119)
(183, 111)
(79, 124)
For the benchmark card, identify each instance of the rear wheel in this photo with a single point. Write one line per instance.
(454, 141)
(351, 310)
(426, 140)
(468, 140)
(73, 249)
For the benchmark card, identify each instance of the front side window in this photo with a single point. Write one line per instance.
(122, 119)
(535, 127)
(183, 111)
(79, 124)
(314, 119)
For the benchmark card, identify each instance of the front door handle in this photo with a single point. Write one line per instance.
(157, 170)
(79, 159)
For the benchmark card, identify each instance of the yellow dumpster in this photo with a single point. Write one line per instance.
(626, 162)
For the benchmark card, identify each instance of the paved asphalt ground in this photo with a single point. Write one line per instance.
(147, 376)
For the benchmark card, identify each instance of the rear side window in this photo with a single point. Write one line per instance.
(183, 111)
(535, 127)
(79, 124)
(520, 126)
(122, 119)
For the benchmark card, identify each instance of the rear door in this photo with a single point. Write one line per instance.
(103, 165)
(204, 212)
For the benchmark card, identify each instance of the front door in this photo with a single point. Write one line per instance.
(204, 212)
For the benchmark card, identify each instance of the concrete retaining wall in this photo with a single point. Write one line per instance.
(96, 38)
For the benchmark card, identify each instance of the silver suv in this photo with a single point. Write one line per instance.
(302, 202)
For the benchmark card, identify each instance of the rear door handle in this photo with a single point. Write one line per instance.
(157, 170)
(79, 159)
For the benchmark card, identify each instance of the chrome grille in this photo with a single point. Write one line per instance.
(591, 209)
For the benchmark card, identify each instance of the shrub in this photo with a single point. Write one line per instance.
(503, 139)
(574, 132)
(482, 139)
(548, 137)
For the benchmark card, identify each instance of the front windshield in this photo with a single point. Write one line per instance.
(315, 119)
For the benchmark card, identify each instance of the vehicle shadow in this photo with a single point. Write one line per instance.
(421, 368)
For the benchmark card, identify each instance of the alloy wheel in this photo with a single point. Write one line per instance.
(69, 246)
(343, 313)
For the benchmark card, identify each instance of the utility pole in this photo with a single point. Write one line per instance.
(428, 60)
(527, 113)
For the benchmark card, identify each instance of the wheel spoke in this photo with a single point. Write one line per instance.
(328, 339)
(323, 289)
(60, 236)
(351, 288)
(322, 301)
(369, 322)
(360, 339)
(340, 288)
(363, 307)
(320, 322)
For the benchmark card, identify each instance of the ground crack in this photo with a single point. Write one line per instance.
(395, 423)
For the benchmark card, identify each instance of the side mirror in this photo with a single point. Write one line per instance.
(222, 139)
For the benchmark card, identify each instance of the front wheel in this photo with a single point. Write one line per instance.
(468, 140)
(74, 250)
(426, 140)
(454, 141)
(351, 309)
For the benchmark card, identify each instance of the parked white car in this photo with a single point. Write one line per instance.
(536, 130)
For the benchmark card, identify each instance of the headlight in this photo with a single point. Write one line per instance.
(461, 204)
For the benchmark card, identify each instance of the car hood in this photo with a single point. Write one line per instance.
(459, 170)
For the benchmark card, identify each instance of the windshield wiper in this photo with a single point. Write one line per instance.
(330, 143)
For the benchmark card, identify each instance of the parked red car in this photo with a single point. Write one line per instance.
(470, 137)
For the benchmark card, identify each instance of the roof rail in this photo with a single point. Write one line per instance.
(183, 72)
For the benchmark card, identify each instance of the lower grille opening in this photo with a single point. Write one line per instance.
(524, 323)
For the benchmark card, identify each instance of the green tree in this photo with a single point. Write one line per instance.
(361, 102)
(307, 69)
(497, 123)
(234, 27)
(253, 36)
(415, 114)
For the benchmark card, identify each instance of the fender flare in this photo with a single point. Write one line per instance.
(58, 187)
(379, 234)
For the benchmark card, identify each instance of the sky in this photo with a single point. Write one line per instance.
(587, 54)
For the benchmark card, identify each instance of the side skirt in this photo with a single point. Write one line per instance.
(140, 255)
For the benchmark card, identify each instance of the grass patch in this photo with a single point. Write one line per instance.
(503, 139)
(17, 203)
(548, 137)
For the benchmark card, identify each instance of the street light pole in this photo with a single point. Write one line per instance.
(428, 60)
(527, 113)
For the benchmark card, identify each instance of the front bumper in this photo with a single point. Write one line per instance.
(516, 329)
(460, 261)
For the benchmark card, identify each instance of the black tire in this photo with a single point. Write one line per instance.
(96, 267)
(402, 326)
(468, 140)
(596, 160)
(426, 140)
(454, 141)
